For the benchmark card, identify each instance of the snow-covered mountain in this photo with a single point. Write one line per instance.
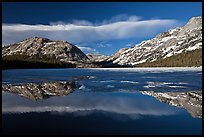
(166, 44)
(37, 46)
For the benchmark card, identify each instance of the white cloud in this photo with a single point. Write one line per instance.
(84, 31)
(82, 23)
(121, 17)
(117, 18)
(87, 49)
(130, 44)
(103, 44)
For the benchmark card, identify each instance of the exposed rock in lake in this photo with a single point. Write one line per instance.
(191, 101)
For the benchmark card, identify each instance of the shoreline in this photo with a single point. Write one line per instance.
(126, 68)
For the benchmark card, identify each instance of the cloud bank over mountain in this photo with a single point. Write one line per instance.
(116, 28)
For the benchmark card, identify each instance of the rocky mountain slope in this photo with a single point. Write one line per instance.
(191, 101)
(43, 50)
(164, 45)
(187, 59)
(61, 50)
(97, 57)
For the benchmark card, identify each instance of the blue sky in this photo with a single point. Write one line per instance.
(99, 27)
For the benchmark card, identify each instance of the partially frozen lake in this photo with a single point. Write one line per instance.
(108, 101)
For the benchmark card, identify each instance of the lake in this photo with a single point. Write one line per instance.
(141, 101)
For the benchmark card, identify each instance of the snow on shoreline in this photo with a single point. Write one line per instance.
(151, 69)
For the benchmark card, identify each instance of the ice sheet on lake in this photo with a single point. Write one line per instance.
(150, 69)
(127, 81)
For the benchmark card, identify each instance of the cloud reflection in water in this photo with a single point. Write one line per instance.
(132, 105)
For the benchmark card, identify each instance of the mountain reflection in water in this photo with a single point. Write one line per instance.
(36, 91)
(191, 101)
(102, 101)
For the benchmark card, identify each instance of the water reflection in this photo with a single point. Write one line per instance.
(102, 102)
(40, 91)
(36, 91)
(191, 101)
(132, 105)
